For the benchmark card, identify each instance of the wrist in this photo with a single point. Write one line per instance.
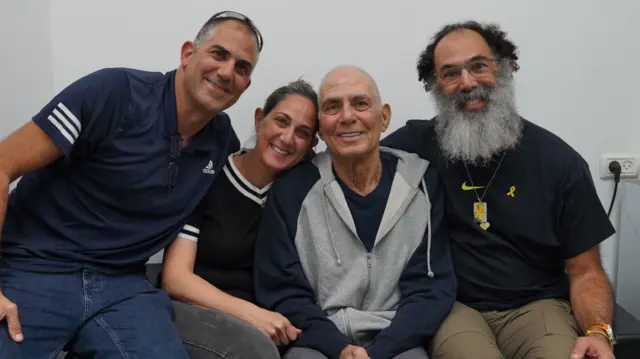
(244, 310)
(600, 334)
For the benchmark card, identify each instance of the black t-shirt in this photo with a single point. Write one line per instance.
(542, 208)
(225, 226)
(367, 211)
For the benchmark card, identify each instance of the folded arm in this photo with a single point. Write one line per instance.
(280, 282)
(429, 299)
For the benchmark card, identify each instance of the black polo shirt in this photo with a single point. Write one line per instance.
(108, 203)
(542, 208)
(225, 226)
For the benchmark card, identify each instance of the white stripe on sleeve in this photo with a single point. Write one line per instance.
(71, 116)
(188, 237)
(191, 229)
(63, 131)
(189, 232)
(66, 122)
(68, 125)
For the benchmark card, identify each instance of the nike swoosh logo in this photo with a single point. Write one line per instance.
(466, 187)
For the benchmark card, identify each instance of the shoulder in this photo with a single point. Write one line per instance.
(222, 130)
(416, 136)
(144, 85)
(413, 129)
(553, 152)
(108, 79)
(100, 84)
(115, 85)
(297, 180)
(290, 189)
(222, 121)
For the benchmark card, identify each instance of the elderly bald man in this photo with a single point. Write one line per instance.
(353, 247)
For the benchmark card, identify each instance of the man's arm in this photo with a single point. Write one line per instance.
(591, 296)
(71, 115)
(25, 150)
(583, 225)
(280, 283)
(425, 301)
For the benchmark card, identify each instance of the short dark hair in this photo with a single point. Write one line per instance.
(207, 29)
(497, 40)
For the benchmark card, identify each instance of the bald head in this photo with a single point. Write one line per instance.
(349, 74)
(352, 115)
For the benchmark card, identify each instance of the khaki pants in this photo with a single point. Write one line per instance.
(545, 329)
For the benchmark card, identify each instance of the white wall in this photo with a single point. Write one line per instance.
(26, 69)
(578, 63)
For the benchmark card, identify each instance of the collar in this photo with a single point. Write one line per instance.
(203, 140)
(169, 104)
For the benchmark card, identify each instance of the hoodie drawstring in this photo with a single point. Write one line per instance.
(333, 243)
(335, 249)
(426, 195)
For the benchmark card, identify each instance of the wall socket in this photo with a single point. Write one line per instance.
(629, 162)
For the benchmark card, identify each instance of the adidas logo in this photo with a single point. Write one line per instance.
(209, 169)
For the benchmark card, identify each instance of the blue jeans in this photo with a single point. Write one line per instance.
(88, 313)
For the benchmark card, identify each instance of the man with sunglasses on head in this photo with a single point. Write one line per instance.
(110, 168)
(524, 216)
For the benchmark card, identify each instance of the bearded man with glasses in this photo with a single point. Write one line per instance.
(524, 216)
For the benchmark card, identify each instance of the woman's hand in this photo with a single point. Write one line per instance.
(273, 324)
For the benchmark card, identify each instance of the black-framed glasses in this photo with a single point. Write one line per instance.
(476, 67)
(228, 14)
(175, 147)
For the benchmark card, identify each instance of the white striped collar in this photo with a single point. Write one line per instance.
(258, 195)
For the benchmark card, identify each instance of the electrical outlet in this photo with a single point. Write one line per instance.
(629, 163)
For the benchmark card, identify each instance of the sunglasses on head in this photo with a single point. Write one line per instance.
(228, 14)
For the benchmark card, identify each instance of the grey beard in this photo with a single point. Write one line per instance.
(474, 137)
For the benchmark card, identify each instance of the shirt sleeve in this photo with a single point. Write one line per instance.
(584, 223)
(85, 109)
(191, 228)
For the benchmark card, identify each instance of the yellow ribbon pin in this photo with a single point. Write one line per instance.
(512, 191)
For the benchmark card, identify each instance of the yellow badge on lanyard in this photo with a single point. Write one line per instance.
(480, 212)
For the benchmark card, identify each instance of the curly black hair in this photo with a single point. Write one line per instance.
(496, 38)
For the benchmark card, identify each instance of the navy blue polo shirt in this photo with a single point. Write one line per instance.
(109, 203)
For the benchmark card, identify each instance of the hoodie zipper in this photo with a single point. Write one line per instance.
(366, 289)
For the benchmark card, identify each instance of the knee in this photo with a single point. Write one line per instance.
(221, 335)
(465, 344)
(258, 345)
(247, 346)
(551, 346)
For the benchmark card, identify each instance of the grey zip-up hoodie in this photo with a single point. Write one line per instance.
(311, 266)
